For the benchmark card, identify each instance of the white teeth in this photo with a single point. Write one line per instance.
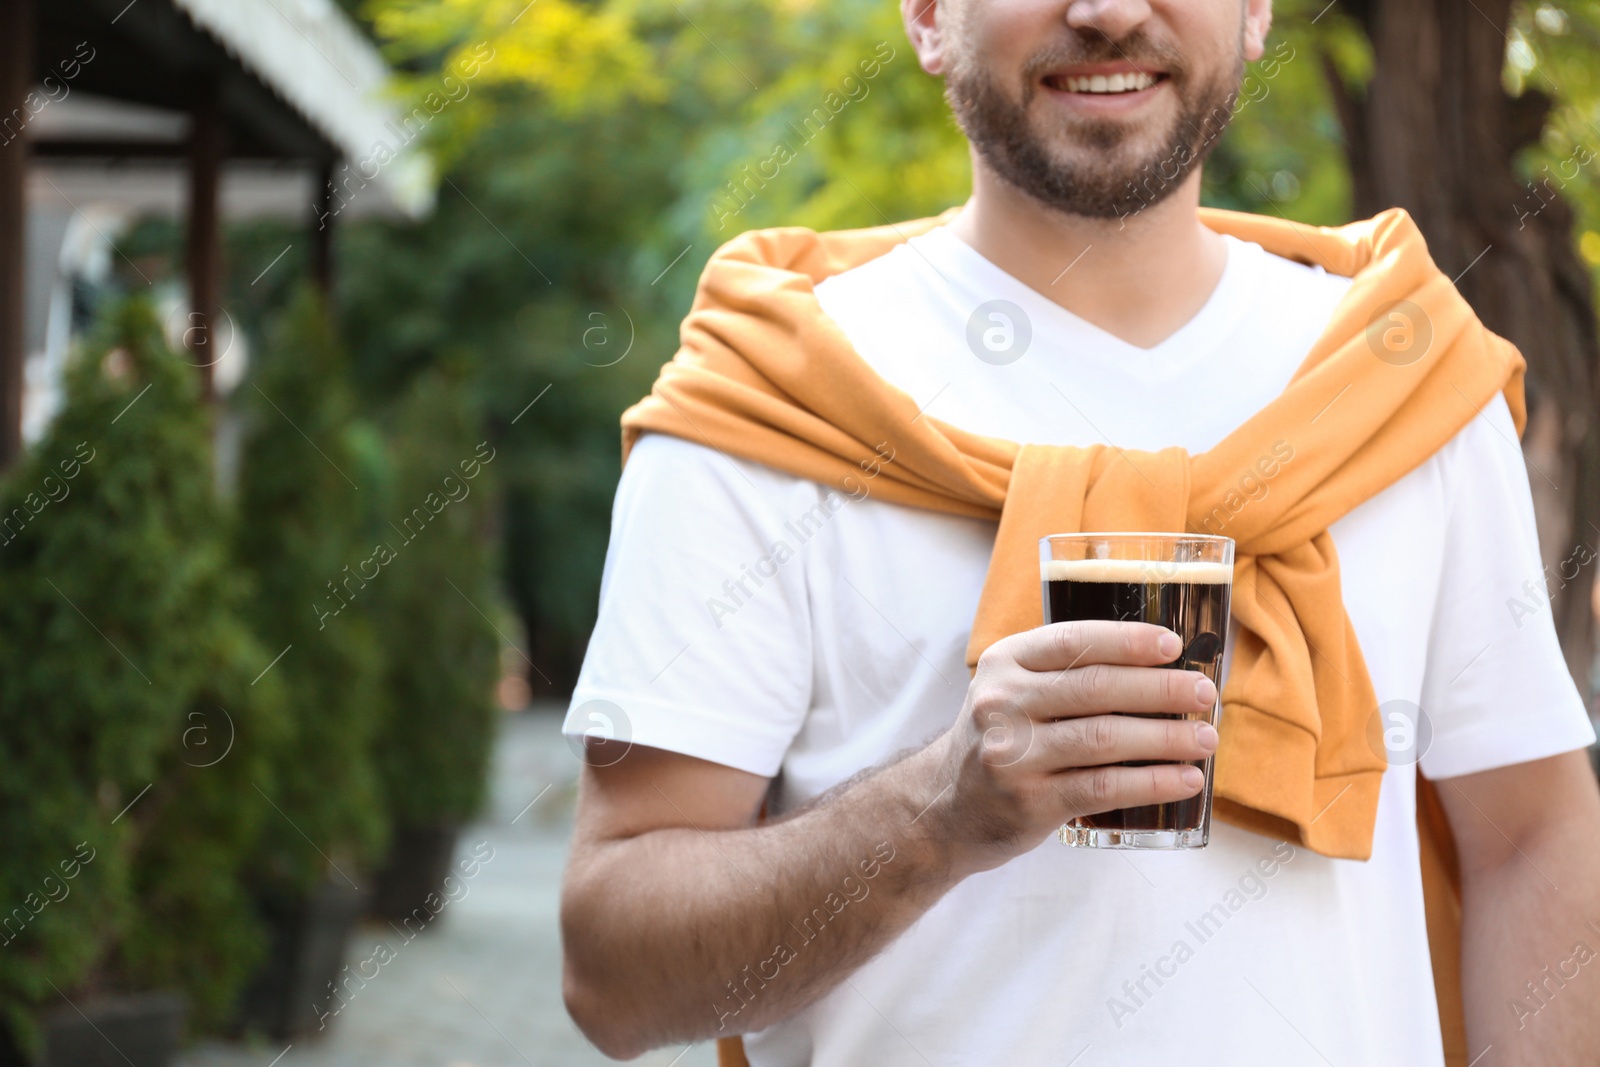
(1116, 83)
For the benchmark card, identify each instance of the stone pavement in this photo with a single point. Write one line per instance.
(482, 987)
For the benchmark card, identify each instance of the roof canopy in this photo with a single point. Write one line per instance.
(293, 79)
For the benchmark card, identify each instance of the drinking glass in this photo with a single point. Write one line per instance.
(1180, 581)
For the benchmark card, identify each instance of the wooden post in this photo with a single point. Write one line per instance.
(322, 230)
(204, 238)
(16, 77)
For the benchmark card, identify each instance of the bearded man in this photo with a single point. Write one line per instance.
(841, 741)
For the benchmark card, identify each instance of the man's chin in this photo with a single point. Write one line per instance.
(1090, 186)
(1121, 171)
(1113, 145)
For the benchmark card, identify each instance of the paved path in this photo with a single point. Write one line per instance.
(483, 988)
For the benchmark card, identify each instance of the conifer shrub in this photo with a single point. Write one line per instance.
(305, 501)
(433, 596)
(117, 617)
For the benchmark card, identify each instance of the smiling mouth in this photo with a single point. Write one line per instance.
(1105, 84)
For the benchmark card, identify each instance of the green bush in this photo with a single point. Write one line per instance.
(114, 610)
(308, 480)
(195, 925)
(433, 750)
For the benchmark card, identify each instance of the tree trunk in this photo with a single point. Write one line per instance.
(1436, 134)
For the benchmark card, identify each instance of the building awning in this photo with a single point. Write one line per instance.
(293, 81)
(308, 52)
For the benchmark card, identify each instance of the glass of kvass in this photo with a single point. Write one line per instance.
(1180, 581)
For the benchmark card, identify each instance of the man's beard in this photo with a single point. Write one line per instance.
(1091, 186)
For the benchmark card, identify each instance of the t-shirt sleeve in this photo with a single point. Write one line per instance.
(1496, 690)
(702, 644)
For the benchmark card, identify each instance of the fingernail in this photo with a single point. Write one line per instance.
(1205, 692)
(1169, 645)
(1206, 734)
(1192, 778)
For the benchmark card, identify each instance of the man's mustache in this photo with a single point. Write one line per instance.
(1138, 48)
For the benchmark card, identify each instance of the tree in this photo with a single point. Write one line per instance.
(1436, 131)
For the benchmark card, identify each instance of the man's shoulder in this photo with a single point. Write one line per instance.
(669, 473)
(822, 254)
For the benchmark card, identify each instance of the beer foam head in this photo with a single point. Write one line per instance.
(1136, 571)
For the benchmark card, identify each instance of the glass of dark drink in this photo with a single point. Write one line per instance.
(1179, 581)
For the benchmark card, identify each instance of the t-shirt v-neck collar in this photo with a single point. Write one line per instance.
(965, 268)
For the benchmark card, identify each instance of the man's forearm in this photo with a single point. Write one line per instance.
(733, 930)
(681, 922)
(1531, 952)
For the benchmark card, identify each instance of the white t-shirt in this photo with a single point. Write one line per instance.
(764, 622)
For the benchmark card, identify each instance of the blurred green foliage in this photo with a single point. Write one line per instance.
(117, 618)
(530, 274)
(302, 522)
(194, 925)
(1554, 48)
(432, 748)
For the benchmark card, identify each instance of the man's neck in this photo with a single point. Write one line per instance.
(1139, 278)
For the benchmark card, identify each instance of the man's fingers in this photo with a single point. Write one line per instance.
(1101, 687)
(1106, 739)
(1061, 645)
(1096, 789)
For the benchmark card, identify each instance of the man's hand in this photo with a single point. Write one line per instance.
(681, 920)
(1036, 743)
